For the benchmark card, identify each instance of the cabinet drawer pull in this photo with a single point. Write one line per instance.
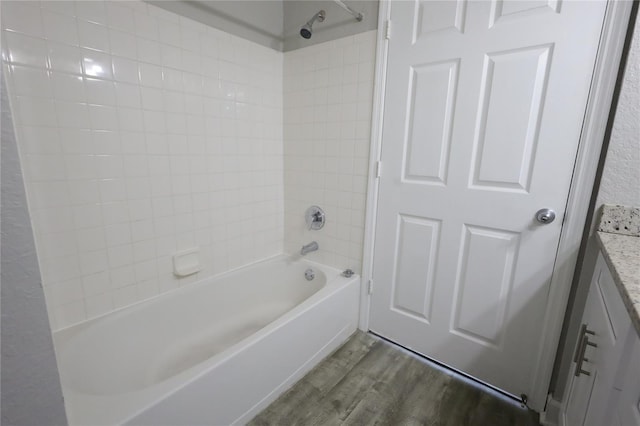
(582, 347)
(581, 334)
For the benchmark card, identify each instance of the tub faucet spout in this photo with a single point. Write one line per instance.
(312, 246)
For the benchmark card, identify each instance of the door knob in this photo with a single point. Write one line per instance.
(545, 216)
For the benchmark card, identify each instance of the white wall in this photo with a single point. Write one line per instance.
(620, 182)
(140, 133)
(260, 21)
(328, 92)
(31, 393)
(277, 23)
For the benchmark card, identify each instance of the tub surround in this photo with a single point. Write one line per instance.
(141, 133)
(619, 239)
(328, 98)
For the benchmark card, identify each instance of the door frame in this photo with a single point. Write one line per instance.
(590, 145)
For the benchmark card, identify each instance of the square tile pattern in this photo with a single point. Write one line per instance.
(328, 98)
(142, 133)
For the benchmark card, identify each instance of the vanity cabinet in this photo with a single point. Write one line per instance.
(627, 411)
(604, 385)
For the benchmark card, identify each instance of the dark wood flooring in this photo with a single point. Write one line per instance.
(369, 381)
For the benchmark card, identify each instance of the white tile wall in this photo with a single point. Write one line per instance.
(328, 93)
(142, 133)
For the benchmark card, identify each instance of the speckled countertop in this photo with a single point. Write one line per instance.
(621, 251)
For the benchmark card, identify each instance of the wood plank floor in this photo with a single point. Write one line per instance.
(371, 382)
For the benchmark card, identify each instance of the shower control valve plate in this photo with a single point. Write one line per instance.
(314, 217)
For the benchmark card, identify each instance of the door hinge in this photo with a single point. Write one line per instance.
(370, 287)
(387, 29)
(378, 168)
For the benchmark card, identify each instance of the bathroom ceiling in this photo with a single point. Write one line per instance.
(276, 23)
(260, 21)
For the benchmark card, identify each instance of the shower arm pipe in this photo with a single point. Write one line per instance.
(358, 15)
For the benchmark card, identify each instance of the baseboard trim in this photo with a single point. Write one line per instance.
(552, 414)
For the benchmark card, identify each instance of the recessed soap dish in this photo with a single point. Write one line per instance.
(186, 262)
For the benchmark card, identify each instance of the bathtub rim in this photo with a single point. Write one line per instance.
(62, 332)
(156, 393)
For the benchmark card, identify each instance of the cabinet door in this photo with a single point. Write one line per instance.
(628, 409)
(591, 397)
(578, 399)
(586, 384)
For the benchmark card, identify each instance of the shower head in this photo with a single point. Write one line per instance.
(307, 29)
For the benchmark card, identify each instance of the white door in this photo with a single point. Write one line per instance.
(484, 105)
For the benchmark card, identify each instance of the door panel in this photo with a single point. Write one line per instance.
(502, 9)
(509, 115)
(434, 16)
(414, 271)
(428, 139)
(483, 110)
(485, 275)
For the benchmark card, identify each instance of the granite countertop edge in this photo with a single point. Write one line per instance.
(622, 254)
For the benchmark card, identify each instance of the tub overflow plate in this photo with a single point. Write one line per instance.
(309, 274)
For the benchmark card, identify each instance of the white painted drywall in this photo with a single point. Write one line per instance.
(31, 393)
(621, 176)
(259, 21)
(277, 23)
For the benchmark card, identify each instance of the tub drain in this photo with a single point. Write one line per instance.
(309, 274)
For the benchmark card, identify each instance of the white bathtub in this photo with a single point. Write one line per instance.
(212, 353)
